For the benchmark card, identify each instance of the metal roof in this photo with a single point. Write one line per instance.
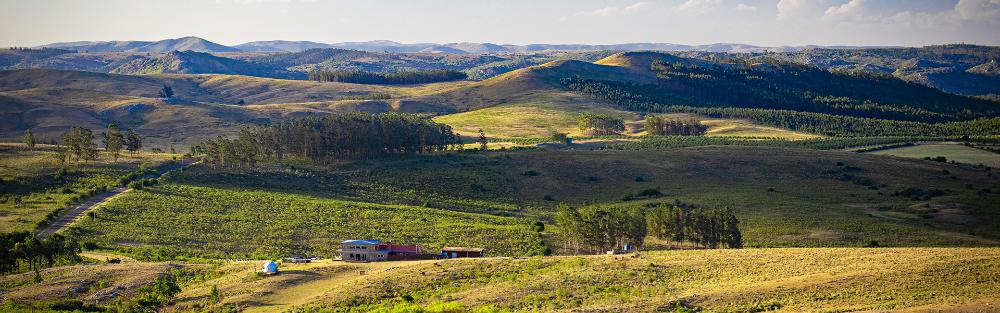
(361, 242)
(464, 249)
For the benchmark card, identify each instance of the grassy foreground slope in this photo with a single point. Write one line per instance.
(747, 280)
(752, 280)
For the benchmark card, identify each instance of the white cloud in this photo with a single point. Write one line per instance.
(637, 6)
(699, 5)
(853, 9)
(978, 10)
(614, 10)
(745, 8)
(788, 8)
(963, 13)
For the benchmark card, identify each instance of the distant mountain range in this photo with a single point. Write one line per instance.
(961, 69)
(201, 45)
(179, 44)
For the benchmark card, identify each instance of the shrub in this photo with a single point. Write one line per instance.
(114, 261)
(650, 193)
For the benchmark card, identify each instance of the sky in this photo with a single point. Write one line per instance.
(757, 22)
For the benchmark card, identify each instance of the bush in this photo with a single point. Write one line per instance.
(531, 173)
(538, 226)
(649, 193)
(872, 244)
(114, 261)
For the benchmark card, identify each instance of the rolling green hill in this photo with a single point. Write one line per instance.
(895, 201)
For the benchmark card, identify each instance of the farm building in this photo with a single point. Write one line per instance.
(462, 252)
(375, 250)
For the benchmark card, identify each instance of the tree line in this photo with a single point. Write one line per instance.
(23, 251)
(78, 143)
(602, 229)
(354, 135)
(658, 125)
(397, 78)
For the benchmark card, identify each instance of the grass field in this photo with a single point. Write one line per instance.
(33, 188)
(183, 220)
(546, 115)
(951, 151)
(747, 280)
(784, 198)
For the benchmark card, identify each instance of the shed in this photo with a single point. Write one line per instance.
(462, 252)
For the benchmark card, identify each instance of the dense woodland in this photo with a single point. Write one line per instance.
(643, 98)
(602, 229)
(353, 135)
(398, 78)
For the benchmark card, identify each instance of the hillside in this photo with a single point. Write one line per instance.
(963, 69)
(178, 44)
(280, 46)
(895, 279)
(190, 62)
(865, 198)
(50, 102)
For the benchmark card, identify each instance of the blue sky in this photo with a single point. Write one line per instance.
(760, 22)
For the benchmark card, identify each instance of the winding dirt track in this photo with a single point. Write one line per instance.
(67, 218)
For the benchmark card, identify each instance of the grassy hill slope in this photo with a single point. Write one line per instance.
(748, 280)
(50, 102)
(784, 198)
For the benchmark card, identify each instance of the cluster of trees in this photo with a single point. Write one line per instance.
(355, 135)
(24, 252)
(707, 228)
(601, 124)
(78, 143)
(398, 78)
(659, 126)
(602, 229)
(636, 97)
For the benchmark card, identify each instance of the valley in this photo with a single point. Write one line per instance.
(593, 178)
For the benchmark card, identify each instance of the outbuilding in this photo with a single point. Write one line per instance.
(462, 252)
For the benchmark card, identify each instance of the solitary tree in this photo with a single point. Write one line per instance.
(113, 141)
(133, 142)
(166, 92)
(482, 140)
(29, 140)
